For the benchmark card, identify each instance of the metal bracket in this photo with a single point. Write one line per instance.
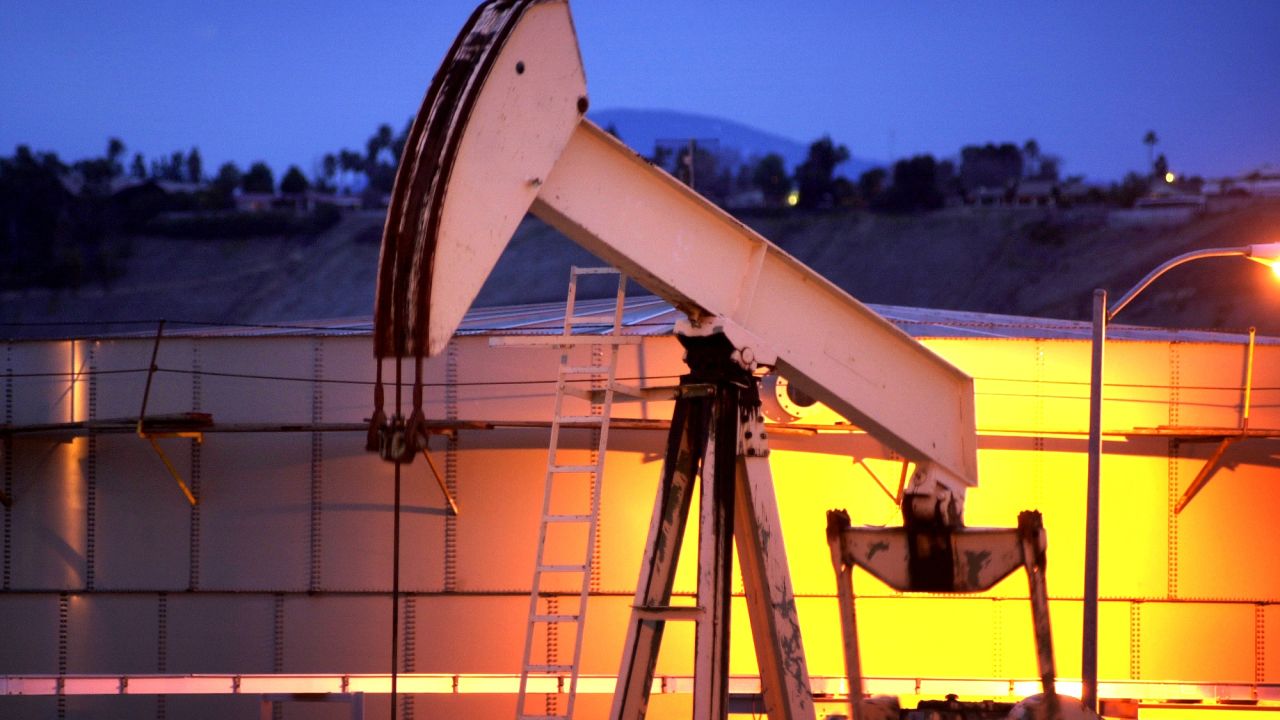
(168, 464)
(151, 437)
(444, 489)
(1211, 465)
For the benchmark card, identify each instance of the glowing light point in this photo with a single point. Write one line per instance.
(1170, 177)
(793, 198)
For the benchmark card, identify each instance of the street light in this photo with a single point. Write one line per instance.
(1267, 254)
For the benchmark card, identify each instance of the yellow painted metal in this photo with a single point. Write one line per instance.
(444, 489)
(168, 464)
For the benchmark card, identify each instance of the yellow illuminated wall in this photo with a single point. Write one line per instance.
(285, 565)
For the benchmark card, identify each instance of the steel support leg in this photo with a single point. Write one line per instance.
(685, 444)
(715, 562)
(766, 577)
(1031, 535)
(837, 523)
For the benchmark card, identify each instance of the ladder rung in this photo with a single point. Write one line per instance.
(594, 270)
(581, 419)
(572, 468)
(580, 393)
(556, 618)
(560, 341)
(591, 319)
(669, 612)
(562, 568)
(548, 668)
(584, 370)
(568, 518)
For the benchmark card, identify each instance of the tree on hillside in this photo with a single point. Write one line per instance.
(990, 165)
(177, 167)
(871, 185)
(138, 170)
(49, 237)
(227, 179)
(1031, 158)
(814, 176)
(1160, 168)
(770, 175)
(328, 171)
(915, 186)
(195, 166)
(1150, 140)
(698, 166)
(351, 163)
(294, 182)
(115, 150)
(259, 179)
(380, 140)
(380, 171)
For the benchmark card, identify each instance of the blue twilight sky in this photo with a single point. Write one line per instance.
(288, 81)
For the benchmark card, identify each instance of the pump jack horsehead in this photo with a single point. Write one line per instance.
(502, 131)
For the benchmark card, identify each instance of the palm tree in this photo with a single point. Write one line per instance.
(115, 149)
(1150, 140)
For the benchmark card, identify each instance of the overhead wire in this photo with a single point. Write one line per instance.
(80, 375)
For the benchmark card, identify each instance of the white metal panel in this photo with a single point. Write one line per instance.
(238, 392)
(449, 640)
(48, 514)
(46, 380)
(142, 519)
(357, 524)
(112, 634)
(348, 359)
(499, 491)
(122, 377)
(255, 512)
(1222, 536)
(29, 633)
(221, 633)
(362, 643)
(526, 380)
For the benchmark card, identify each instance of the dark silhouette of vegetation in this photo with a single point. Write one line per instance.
(50, 236)
(815, 177)
(770, 176)
(990, 165)
(224, 184)
(294, 182)
(259, 179)
(1160, 168)
(915, 186)
(195, 166)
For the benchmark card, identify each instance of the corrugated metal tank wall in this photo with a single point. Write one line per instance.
(284, 566)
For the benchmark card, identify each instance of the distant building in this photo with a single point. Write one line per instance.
(298, 202)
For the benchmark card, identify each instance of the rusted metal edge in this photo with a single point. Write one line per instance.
(422, 178)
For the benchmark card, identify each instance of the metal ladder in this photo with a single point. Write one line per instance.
(544, 610)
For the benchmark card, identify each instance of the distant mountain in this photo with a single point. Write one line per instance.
(641, 129)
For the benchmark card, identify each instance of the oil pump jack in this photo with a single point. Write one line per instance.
(502, 131)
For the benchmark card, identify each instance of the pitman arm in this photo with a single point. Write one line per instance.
(502, 131)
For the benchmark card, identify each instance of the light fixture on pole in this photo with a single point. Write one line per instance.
(1267, 254)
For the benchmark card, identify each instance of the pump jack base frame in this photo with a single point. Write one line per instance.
(931, 556)
(717, 431)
